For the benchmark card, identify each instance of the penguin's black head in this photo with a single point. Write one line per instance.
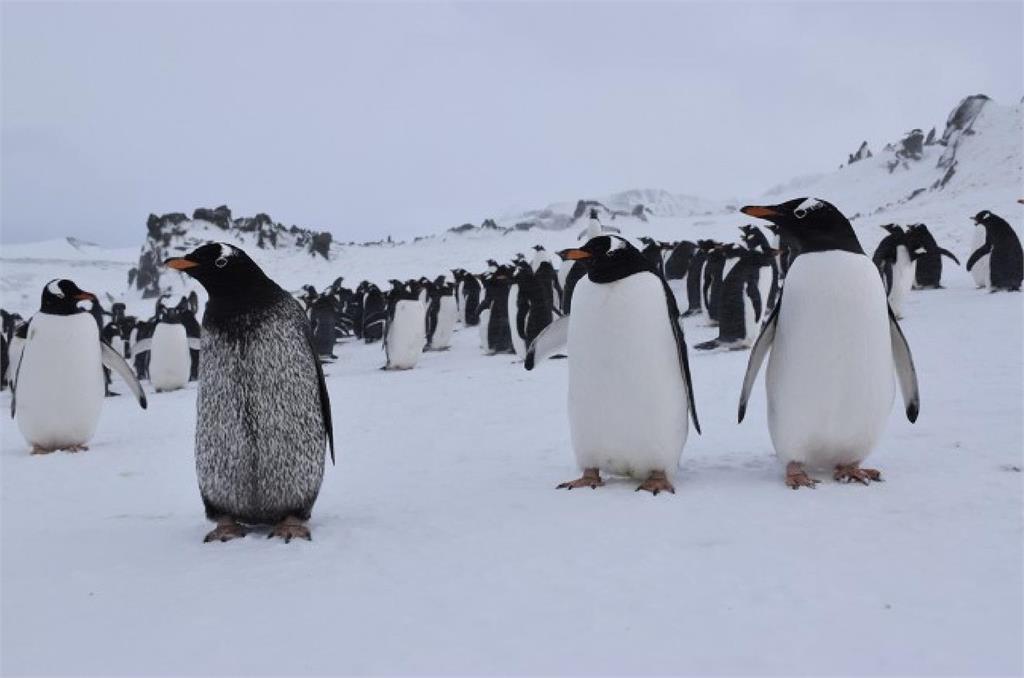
(61, 297)
(224, 270)
(893, 229)
(608, 258)
(538, 248)
(982, 217)
(815, 224)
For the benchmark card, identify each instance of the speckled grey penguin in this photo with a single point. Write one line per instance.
(264, 414)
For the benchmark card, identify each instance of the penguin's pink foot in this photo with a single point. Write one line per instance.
(852, 473)
(291, 528)
(591, 478)
(657, 482)
(77, 448)
(226, 530)
(39, 449)
(796, 476)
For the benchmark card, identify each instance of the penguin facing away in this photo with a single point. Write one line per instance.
(58, 387)
(264, 414)
(629, 380)
(834, 345)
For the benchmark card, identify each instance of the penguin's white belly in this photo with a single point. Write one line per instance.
(518, 342)
(627, 400)
(485, 321)
(446, 315)
(903, 271)
(460, 296)
(60, 383)
(14, 355)
(406, 335)
(830, 377)
(169, 359)
(764, 288)
(980, 272)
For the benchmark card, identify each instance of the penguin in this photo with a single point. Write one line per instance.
(928, 257)
(1006, 263)
(629, 378)
(695, 278)
(468, 297)
(678, 262)
(375, 314)
(547, 278)
(834, 344)
(263, 410)
(58, 388)
(518, 308)
(405, 332)
(720, 261)
(323, 313)
(767, 272)
(979, 269)
(169, 359)
(441, 316)
(896, 265)
(884, 256)
(496, 332)
(739, 302)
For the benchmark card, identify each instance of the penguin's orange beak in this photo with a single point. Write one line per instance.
(760, 212)
(84, 296)
(574, 254)
(180, 263)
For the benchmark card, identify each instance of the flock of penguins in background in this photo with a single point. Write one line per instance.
(521, 307)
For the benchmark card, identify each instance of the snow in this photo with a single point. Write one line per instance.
(441, 546)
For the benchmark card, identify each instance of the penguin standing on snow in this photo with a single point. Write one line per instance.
(1002, 246)
(441, 315)
(695, 278)
(928, 257)
(546, 277)
(170, 361)
(405, 333)
(979, 269)
(896, 265)
(58, 387)
(834, 344)
(264, 415)
(629, 377)
(740, 304)
(496, 332)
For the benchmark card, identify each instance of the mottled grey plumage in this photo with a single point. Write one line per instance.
(260, 435)
(264, 414)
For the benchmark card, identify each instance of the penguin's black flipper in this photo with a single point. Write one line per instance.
(906, 374)
(946, 253)
(550, 341)
(757, 356)
(978, 254)
(325, 398)
(684, 360)
(112, 360)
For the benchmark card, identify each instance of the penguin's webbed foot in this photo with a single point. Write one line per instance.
(796, 476)
(852, 473)
(77, 448)
(591, 478)
(39, 449)
(657, 482)
(291, 528)
(226, 530)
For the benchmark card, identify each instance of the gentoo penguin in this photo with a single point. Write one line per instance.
(546, 277)
(629, 378)
(834, 344)
(375, 314)
(979, 269)
(678, 262)
(496, 333)
(58, 389)
(323, 314)
(768, 274)
(896, 265)
(405, 333)
(739, 302)
(1006, 262)
(264, 415)
(441, 316)
(695, 278)
(927, 257)
(169, 359)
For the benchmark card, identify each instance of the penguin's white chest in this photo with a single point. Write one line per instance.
(981, 268)
(406, 334)
(830, 378)
(169, 358)
(627, 399)
(446, 315)
(60, 382)
(518, 341)
(903, 271)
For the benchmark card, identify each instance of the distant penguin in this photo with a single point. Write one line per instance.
(497, 332)
(443, 313)
(468, 295)
(767, 269)
(739, 302)
(58, 388)
(979, 270)
(405, 333)
(169, 359)
(695, 278)
(323, 314)
(834, 345)
(652, 253)
(375, 314)
(629, 379)
(927, 257)
(518, 308)
(678, 262)
(896, 265)
(884, 256)
(547, 278)
(264, 414)
(1006, 262)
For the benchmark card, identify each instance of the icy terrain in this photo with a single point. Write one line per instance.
(441, 546)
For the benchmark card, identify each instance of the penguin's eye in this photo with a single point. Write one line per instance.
(221, 262)
(799, 213)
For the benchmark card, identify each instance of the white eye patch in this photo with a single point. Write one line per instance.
(226, 251)
(616, 244)
(808, 205)
(53, 287)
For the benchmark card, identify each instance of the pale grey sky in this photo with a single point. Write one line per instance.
(369, 119)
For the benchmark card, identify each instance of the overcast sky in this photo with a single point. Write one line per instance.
(405, 119)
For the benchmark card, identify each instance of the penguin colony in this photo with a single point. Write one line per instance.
(263, 409)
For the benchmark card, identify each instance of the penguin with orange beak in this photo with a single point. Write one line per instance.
(58, 387)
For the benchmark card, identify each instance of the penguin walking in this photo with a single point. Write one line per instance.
(834, 345)
(1006, 262)
(629, 378)
(928, 257)
(264, 414)
(405, 333)
(58, 388)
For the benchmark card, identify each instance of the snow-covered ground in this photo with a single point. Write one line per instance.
(441, 546)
